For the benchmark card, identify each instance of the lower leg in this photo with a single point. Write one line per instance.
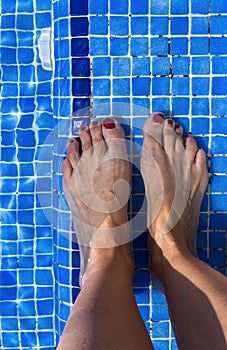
(105, 315)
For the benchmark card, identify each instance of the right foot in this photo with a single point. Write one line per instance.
(175, 177)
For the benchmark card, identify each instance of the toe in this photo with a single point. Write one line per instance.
(200, 158)
(73, 152)
(114, 135)
(85, 137)
(191, 148)
(179, 130)
(169, 136)
(66, 168)
(153, 129)
(96, 132)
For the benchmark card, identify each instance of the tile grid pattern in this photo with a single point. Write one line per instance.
(26, 279)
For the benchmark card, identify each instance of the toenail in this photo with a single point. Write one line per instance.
(71, 141)
(177, 126)
(83, 128)
(158, 118)
(169, 121)
(109, 123)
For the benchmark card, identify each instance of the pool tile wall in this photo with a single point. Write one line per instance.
(111, 58)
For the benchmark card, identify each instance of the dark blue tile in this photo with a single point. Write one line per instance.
(119, 25)
(99, 25)
(217, 240)
(100, 7)
(78, 7)
(180, 86)
(179, 25)
(201, 240)
(101, 66)
(200, 7)
(159, 46)
(119, 6)
(79, 47)
(217, 257)
(219, 86)
(218, 221)
(199, 25)
(201, 65)
(141, 66)
(179, 46)
(218, 6)
(142, 296)
(25, 22)
(200, 125)
(25, 56)
(159, 25)
(98, 46)
(139, 46)
(180, 65)
(139, 7)
(200, 86)
(161, 66)
(81, 87)
(200, 106)
(101, 87)
(118, 46)
(141, 279)
(141, 86)
(219, 106)
(80, 106)
(159, 7)
(79, 26)
(139, 25)
(141, 258)
(218, 202)
(218, 46)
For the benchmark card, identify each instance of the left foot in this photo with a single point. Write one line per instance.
(96, 185)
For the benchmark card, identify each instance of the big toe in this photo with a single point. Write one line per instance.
(153, 130)
(113, 134)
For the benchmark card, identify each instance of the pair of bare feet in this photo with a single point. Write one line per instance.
(96, 185)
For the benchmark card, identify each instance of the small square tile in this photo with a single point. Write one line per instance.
(139, 25)
(159, 7)
(161, 105)
(81, 87)
(179, 25)
(121, 66)
(200, 125)
(180, 105)
(101, 87)
(200, 106)
(179, 46)
(99, 25)
(42, 19)
(8, 56)
(179, 10)
(160, 66)
(218, 7)
(119, 25)
(79, 26)
(141, 86)
(201, 65)
(98, 46)
(118, 46)
(180, 65)
(219, 106)
(159, 46)
(119, 6)
(199, 25)
(219, 86)
(219, 65)
(100, 7)
(79, 47)
(140, 66)
(200, 86)
(139, 46)
(121, 87)
(159, 25)
(218, 46)
(139, 8)
(101, 66)
(25, 22)
(78, 7)
(200, 7)
(160, 86)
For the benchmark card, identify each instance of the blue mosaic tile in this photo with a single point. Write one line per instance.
(220, 7)
(159, 25)
(199, 25)
(99, 25)
(179, 46)
(218, 46)
(201, 65)
(159, 46)
(179, 25)
(118, 47)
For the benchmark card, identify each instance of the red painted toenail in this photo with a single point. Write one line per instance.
(169, 121)
(161, 115)
(177, 126)
(109, 123)
(71, 141)
(158, 118)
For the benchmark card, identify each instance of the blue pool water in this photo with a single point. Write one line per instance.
(117, 57)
